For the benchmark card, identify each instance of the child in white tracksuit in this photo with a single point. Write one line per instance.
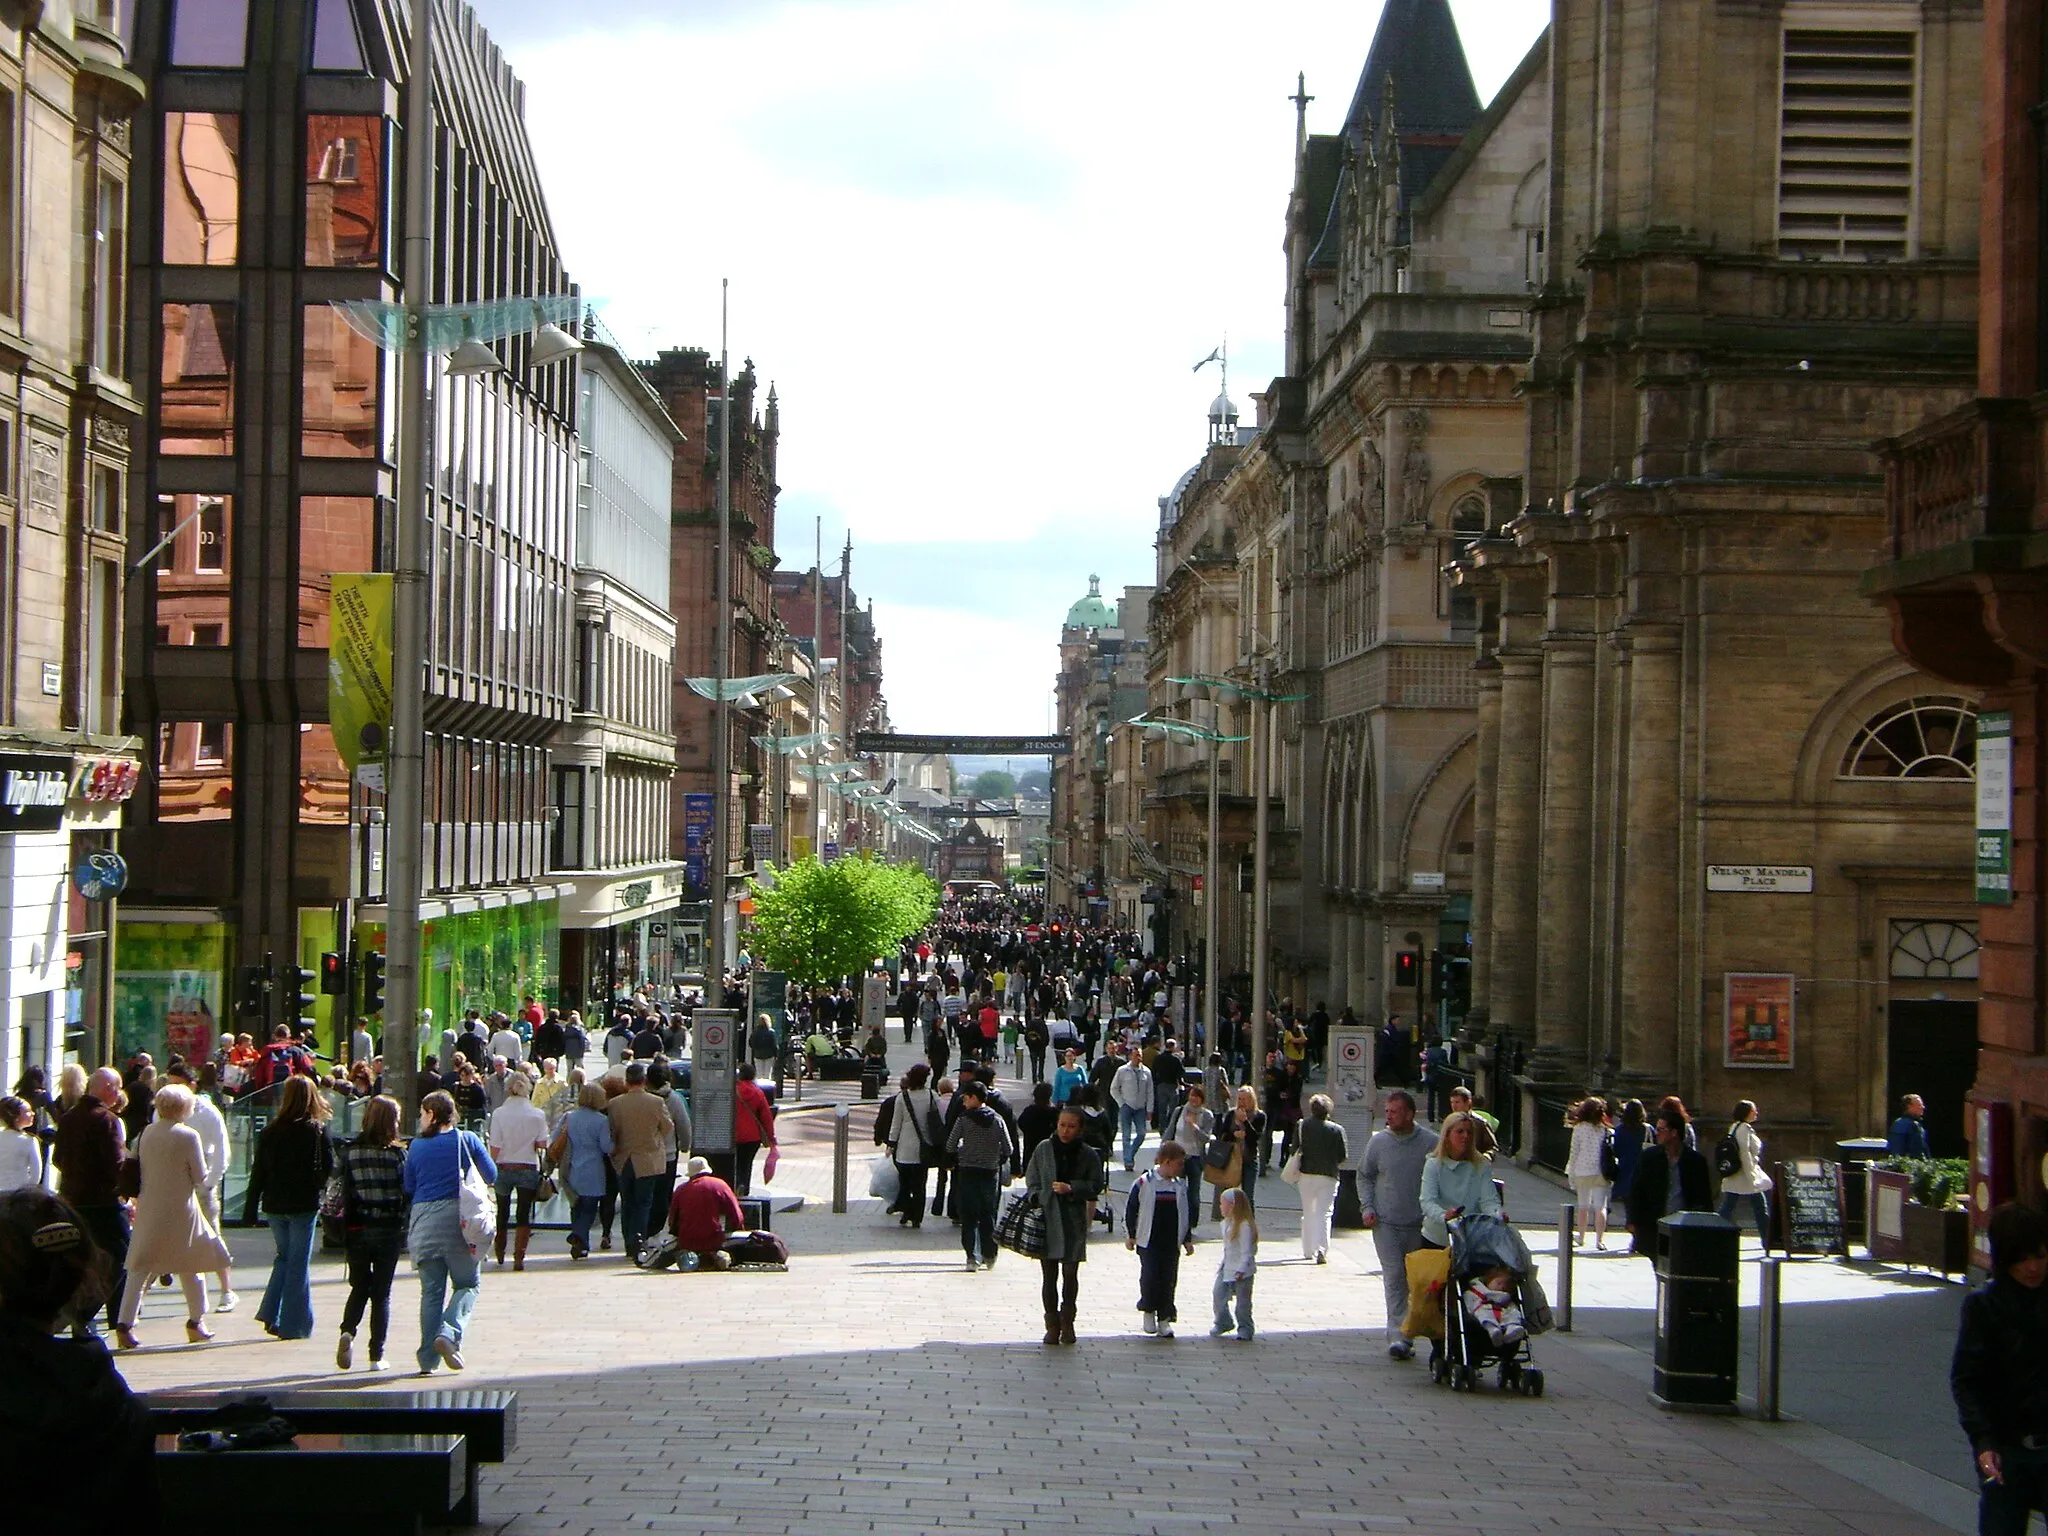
(1235, 1274)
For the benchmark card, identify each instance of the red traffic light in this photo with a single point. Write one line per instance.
(333, 974)
(1407, 968)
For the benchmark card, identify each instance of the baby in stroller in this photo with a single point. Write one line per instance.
(1491, 1302)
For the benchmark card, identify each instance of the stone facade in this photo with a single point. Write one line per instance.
(1676, 671)
(1101, 860)
(67, 422)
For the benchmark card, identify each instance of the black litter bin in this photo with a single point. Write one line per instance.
(1698, 1312)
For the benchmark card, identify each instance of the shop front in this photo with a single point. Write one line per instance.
(621, 931)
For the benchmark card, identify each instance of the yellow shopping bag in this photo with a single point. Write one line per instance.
(1429, 1272)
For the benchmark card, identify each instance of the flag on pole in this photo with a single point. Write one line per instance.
(1213, 357)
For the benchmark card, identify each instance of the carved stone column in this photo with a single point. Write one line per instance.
(1511, 964)
(1483, 797)
(1649, 937)
(1340, 963)
(1566, 863)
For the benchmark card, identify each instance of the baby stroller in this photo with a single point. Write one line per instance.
(1484, 1321)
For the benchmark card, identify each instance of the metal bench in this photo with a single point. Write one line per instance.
(485, 1418)
(324, 1485)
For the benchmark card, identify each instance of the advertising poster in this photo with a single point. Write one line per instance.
(1759, 1008)
(697, 813)
(1994, 808)
(359, 667)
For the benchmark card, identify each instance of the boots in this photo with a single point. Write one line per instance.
(1066, 1325)
(519, 1239)
(1052, 1327)
(498, 1247)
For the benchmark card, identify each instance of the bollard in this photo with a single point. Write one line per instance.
(1567, 1219)
(842, 1128)
(1768, 1338)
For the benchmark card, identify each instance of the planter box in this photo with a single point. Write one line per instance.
(1902, 1232)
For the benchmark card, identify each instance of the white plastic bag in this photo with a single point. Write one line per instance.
(473, 1203)
(884, 1183)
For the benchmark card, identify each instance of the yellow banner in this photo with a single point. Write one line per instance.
(359, 667)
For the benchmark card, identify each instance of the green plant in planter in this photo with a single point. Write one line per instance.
(1938, 1182)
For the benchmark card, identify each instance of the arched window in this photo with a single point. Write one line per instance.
(1933, 950)
(1469, 515)
(1929, 737)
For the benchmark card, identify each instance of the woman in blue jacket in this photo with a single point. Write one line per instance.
(449, 1273)
(1457, 1180)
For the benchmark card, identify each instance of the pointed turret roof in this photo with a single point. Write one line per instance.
(1417, 47)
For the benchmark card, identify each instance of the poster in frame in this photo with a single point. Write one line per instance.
(1758, 1010)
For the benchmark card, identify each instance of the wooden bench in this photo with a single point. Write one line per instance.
(486, 1418)
(323, 1485)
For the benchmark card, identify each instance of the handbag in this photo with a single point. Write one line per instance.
(1021, 1227)
(546, 1190)
(1610, 1158)
(1231, 1174)
(1290, 1171)
(474, 1208)
(768, 1168)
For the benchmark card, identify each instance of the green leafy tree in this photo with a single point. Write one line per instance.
(822, 921)
(994, 784)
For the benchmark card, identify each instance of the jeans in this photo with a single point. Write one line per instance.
(582, 1210)
(450, 1276)
(1759, 1207)
(1318, 1202)
(108, 1225)
(1393, 1244)
(287, 1304)
(1226, 1291)
(2004, 1508)
(1132, 1121)
(1159, 1277)
(975, 1189)
(372, 1265)
(608, 1202)
(1037, 1064)
(637, 1192)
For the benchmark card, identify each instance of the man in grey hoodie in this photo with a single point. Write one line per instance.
(982, 1151)
(1390, 1192)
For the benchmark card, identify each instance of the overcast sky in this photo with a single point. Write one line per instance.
(976, 244)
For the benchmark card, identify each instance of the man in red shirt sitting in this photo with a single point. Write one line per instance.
(703, 1210)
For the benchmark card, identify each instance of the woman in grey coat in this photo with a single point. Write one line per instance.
(1063, 1178)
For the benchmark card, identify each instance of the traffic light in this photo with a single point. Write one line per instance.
(1407, 968)
(373, 980)
(304, 980)
(333, 974)
(252, 983)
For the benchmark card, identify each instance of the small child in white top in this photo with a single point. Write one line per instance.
(1239, 1268)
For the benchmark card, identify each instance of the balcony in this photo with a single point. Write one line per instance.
(1962, 494)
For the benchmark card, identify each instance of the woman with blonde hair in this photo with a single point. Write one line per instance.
(293, 1158)
(1457, 1180)
(173, 1234)
(584, 1154)
(1244, 1126)
(1234, 1275)
(518, 1136)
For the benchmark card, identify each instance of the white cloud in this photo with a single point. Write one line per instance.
(977, 247)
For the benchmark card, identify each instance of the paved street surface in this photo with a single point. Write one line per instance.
(879, 1387)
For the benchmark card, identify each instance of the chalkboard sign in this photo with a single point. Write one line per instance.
(1811, 1193)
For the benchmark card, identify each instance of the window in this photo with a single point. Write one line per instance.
(590, 647)
(338, 388)
(190, 569)
(209, 34)
(336, 533)
(344, 191)
(1845, 146)
(106, 498)
(1933, 951)
(10, 291)
(101, 715)
(1468, 517)
(323, 779)
(1922, 738)
(194, 770)
(196, 404)
(567, 852)
(336, 45)
(110, 279)
(202, 188)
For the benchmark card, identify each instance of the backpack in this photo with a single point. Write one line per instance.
(1727, 1155)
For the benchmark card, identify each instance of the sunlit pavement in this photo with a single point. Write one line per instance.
(877, 1386)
